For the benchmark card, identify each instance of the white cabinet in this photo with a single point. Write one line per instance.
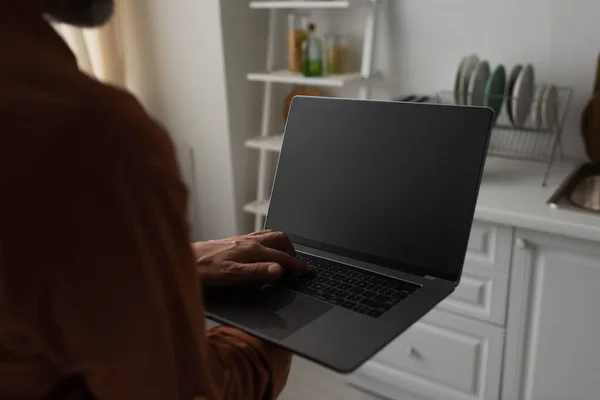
(481, 294)
(443, 356)
(483, 288)
(524, 324)
(553, 332)
(455, 352)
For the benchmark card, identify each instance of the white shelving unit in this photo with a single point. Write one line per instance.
(269, 139)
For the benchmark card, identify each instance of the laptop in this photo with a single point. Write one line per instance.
(379, 197)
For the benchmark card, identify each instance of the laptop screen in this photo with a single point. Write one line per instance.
(389, 183)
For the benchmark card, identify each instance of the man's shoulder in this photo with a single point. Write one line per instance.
(115, 124)
(80, 122)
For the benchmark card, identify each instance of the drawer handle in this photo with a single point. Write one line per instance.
(522, 243)
(413, 353)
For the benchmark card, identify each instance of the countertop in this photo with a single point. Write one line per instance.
(512, 194)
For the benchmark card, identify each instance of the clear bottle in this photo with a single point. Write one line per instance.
(337, 54)
(312, 53)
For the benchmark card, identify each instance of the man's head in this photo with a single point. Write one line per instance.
(84, 13)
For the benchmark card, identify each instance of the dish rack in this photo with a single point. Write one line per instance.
(532, 141)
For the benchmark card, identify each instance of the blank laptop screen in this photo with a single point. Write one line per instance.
(391, 183)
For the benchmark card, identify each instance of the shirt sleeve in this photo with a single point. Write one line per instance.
(228, 346)
(117, 298)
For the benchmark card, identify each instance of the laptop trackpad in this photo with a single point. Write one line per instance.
(275, 312)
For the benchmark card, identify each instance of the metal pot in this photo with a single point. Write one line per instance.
(587, 193)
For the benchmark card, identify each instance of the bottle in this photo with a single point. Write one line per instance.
(337, 54)
(296, 35)
(312, 53)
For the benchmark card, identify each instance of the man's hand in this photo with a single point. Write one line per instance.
(255, 258)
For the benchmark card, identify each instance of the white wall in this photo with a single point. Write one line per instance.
(244, 33)
(191, 58)
(187, 53)
(200, 51)
(561, 38)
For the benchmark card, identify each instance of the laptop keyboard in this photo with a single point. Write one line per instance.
(355, 289)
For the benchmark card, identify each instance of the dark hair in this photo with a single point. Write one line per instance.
(83, 13)
(73, 388)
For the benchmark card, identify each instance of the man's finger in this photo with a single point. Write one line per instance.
(258, 233)
(277, 240)
(238, 273)
(284, 259)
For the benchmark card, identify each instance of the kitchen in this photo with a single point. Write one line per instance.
(523, 321)
(523, 325)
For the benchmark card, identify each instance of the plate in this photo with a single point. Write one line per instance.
(471, 62)
(537, 106)
(550, 107)
(476, 88)
(494, 90)
(458, 80)
(510, 87)
(523, 95)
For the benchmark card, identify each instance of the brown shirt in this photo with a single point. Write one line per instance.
(96, 272)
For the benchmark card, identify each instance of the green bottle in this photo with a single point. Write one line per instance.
(312, 53)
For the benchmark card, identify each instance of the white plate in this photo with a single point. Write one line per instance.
(510, 87)
(458, 80)
(523, 95)
(479, 78)
(538, 104)
(550, 107)
(471, 62)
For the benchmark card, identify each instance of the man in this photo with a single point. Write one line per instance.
(98, 288)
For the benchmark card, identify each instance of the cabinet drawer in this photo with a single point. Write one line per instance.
(443, 356)
(490, 246)
(482, 294)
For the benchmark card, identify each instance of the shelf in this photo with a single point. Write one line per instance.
(269, 143)
(300, 4)
(361, 78)
(284, 76)
(258, 207)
